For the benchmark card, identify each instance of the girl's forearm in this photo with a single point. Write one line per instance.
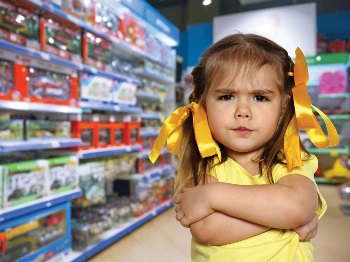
(220, 229)
(285, 205)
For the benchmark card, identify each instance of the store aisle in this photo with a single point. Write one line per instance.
(164, 240)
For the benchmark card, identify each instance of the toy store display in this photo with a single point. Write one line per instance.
(60, 38)
(106, 130)
(97, 51)
(63, 174)
(89, 224)
(107, 20)
(36, 237)
(92, 183)
(329, 88)
(29, 79)
(25, 182)
(57, 56)
(19, 23)
(150, 193)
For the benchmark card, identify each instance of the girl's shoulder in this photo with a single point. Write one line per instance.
(308, 169)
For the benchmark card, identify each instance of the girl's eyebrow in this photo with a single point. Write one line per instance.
(263, 91)
(232, 91)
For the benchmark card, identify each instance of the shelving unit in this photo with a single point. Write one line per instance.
(329, 90)
(167, 35)
(115, 234)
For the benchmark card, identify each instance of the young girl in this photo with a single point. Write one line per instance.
(245, 184)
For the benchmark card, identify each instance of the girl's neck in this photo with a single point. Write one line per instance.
(249, 161)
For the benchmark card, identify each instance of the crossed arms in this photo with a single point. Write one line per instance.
(220, 213)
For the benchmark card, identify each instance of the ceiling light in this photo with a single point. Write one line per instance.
(206, 2)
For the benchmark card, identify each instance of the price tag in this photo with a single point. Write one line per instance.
(55, 144)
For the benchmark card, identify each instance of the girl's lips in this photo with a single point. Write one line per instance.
(242, 130)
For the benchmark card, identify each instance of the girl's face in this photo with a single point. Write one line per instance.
(243, 112)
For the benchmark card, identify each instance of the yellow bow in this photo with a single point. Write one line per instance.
(170, 133)
(304, 118)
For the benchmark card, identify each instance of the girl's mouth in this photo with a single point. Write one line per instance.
(242, 130)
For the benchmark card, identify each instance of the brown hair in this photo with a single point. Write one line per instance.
(250, 52)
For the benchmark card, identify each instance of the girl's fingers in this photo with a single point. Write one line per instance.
(177, 208)
(177, 198)
(179, 215)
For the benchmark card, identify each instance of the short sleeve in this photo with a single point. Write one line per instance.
(308, 169)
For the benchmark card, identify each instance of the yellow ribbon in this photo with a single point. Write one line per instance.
(170, 133)
(304, 118)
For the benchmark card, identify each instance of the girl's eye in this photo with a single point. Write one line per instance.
(261, 98)
(226, 97)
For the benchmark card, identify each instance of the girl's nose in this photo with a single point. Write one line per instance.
(243, 111)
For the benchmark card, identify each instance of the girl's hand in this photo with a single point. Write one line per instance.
(192, 205)
(309, 230)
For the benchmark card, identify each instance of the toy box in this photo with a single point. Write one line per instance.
(133, 133)
(79, 8)
(147, 142)
(11, 130)
(132, 32)
(119, 134)
(61, 38)
(333, 82)
(63, 173)
(106, 20)
(36, 237)
(87, 132)
(104, 134)
(25, 182)
(95, 87)
(145, 192)
(12, 80)
(19, 23)
(53, 87)
(92, 184)
(41, 129)
(97, 51)
(124, 92)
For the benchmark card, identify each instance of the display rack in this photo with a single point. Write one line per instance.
(329, 90)
(115, 234)
(163, 31)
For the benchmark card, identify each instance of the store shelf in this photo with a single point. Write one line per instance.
(144, 73)
(337, 117)
(149, 133)
(152, 174)
(108, 151)
(329, 58)
(123, 46)
(11, 146)
(153, 116)
(63, 62)
(145, 95)
(95, 105)
(39, 107)
(145, 153)
(328, 150)
(115, 234)
(335, 181)
(326, 96)
(10, 213)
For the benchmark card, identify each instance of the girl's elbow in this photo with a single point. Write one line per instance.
(303, 215)
(199, 231)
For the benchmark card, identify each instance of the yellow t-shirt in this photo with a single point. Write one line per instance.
(274, 245)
